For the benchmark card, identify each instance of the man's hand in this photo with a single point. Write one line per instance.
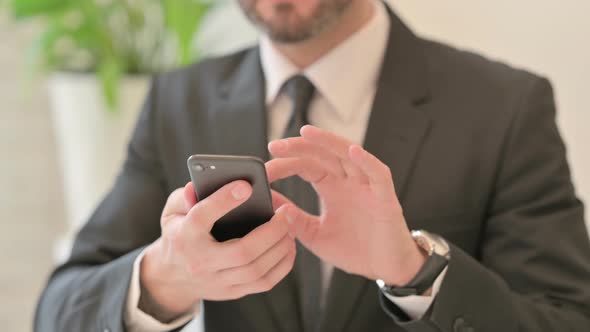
(187, 264)
(362, 229)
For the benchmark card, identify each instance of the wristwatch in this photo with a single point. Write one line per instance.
(438, 258)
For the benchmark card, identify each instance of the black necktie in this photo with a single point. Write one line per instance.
(301, 92)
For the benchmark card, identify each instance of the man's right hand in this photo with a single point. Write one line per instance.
(186, 264)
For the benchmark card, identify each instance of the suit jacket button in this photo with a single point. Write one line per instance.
(461, 326)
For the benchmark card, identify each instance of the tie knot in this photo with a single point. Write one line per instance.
(300, 89)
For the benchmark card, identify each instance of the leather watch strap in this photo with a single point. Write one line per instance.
(423, 280)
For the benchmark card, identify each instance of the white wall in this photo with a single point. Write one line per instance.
(551, 38)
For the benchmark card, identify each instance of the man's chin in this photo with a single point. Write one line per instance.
(288, 34)
(284, 24)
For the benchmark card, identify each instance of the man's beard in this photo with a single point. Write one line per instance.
(292, 31)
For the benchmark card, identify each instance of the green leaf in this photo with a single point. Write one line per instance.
(40, 52)
(87, 36)
(183, 18)
(136, 17)
(27, 8)
(110, 72)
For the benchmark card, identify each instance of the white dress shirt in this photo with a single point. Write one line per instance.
(346, 82)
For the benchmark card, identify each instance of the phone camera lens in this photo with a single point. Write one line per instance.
(199, 168)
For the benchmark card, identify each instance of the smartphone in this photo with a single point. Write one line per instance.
(211, 172)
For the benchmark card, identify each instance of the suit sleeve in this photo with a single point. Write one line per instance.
(532, 273)
(88, 292)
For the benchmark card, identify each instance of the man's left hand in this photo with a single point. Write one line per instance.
(361, 229)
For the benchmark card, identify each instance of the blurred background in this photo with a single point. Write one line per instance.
(72, 79)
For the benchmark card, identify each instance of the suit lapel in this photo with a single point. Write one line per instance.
(239, 118)
(240, 122)
(396, 128)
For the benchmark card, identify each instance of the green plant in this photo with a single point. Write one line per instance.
(112, 37)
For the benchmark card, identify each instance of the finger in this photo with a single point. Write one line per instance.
(379, 174)
(299, 147)
(175, 203)
(247, 249)
(338, 145)
(268, 281)
(301, 222)
(206, 212)
(260, 266)
(305, 227)
(190, 197)
(308, 169)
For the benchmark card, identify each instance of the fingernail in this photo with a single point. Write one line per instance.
(306, 130)
(279, 145)
(289, 216)
(240, 191)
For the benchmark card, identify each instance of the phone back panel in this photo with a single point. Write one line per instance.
(211, 172)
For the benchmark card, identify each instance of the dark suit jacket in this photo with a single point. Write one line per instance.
(476, 157)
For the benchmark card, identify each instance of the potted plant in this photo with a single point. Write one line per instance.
(100, 55)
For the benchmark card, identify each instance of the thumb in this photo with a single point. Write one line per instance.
(304, 226)
(301, 224)
(278, 199)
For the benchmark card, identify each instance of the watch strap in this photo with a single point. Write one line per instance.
(423, 280)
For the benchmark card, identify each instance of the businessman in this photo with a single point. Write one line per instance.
(418, 188)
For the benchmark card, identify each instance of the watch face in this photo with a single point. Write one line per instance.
(424, 244)
(432, 243)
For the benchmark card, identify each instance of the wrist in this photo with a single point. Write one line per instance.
(413, 260)
(161, 297)
(437, 253)
(415, 263)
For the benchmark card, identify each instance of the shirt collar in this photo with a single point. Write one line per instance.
(345, 75)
